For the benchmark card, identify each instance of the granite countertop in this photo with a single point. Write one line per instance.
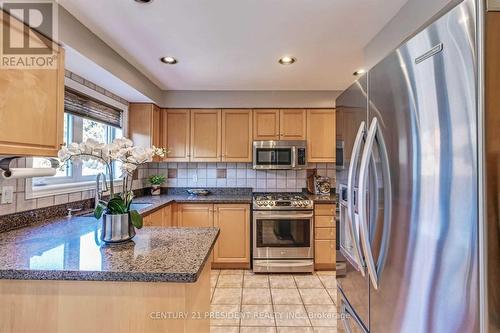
(69, 249)
(159, 201)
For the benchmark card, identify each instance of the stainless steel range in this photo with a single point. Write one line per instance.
(282, 233)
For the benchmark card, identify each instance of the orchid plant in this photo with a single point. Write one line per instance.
(120, 150)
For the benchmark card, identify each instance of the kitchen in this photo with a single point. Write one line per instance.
(170, 168)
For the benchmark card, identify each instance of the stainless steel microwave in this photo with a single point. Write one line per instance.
(283, 155)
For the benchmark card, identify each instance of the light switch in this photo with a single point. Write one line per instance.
(7, 194)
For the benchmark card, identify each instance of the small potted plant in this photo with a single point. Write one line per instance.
(118, 219)
(156, 181)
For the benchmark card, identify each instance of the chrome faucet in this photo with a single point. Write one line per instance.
(100, 180)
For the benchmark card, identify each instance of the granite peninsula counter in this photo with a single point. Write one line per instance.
(59, 275)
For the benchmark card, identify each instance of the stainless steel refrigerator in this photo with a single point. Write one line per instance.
(413, 196)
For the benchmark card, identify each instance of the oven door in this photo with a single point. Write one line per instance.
(267, 157)
(283, 234)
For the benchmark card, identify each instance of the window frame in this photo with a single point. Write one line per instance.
(85, 183)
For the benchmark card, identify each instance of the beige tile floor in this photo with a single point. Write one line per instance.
(244, 302)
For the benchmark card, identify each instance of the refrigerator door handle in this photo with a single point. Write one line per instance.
(374, 135)
(343, 317)
(351, 215)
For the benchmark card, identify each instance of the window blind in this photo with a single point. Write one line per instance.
(82, 105)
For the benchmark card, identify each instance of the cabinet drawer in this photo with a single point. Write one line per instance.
(325, 252)
(324, 221)
(324, 209)
(325, 233)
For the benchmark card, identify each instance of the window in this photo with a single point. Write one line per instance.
(78, 129)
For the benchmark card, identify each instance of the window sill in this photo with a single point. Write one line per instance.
(50, 190)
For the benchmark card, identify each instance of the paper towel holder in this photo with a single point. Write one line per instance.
(5, 162)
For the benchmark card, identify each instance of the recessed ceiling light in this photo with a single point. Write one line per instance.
(143, 1)
(168, 60)
(359, 72)
(287, 60)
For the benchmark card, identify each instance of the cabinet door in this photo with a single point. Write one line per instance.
(175, 130)
(321, 135)
(167, 216)
(324, 253)
(206, 135)
(144, 124)
(154, 219)
(31, 105)
(293, 124)
(236, 135)
(195, 215)
(233, 244)
(266, 123)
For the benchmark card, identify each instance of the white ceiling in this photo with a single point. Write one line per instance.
(235, 44)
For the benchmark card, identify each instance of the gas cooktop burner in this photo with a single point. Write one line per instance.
(282, 201)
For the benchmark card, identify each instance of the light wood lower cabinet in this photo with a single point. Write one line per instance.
(195, 215)
(324, 237)
(325, 254)
(232, 249)
(105, 306)
(160, 218)
(233, 245)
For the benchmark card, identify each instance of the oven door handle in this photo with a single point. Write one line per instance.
(284, 217)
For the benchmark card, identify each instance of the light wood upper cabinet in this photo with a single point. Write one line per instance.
(144, 124)
(293, 124)
(176, 134)
(274, 124)
(195, 215)
(206, 135)
(236, 135)
(266, 124)
(31, 105)
(233, 244)
(321, 135)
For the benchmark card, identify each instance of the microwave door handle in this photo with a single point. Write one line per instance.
(351, 214)
(294, 157)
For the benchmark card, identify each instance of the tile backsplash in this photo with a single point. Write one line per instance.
(235, 175)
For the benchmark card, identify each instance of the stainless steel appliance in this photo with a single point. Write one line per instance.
(415, 208)
(279, 155)
(282, 233)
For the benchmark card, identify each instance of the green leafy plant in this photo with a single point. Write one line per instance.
(117, 206)
(156, 179)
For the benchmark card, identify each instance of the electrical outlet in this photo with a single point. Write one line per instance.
(195, 178)
(7, 194)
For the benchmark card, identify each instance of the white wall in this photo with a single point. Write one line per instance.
(249, 99)
(85, 42)
(413, 15)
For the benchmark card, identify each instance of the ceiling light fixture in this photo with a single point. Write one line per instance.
(168, 60)
(143, 1)
(287, 60)
(359, 72)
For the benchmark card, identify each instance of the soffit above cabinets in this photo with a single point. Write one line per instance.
(235, 45)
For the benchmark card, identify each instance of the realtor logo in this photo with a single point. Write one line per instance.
(28, 34)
